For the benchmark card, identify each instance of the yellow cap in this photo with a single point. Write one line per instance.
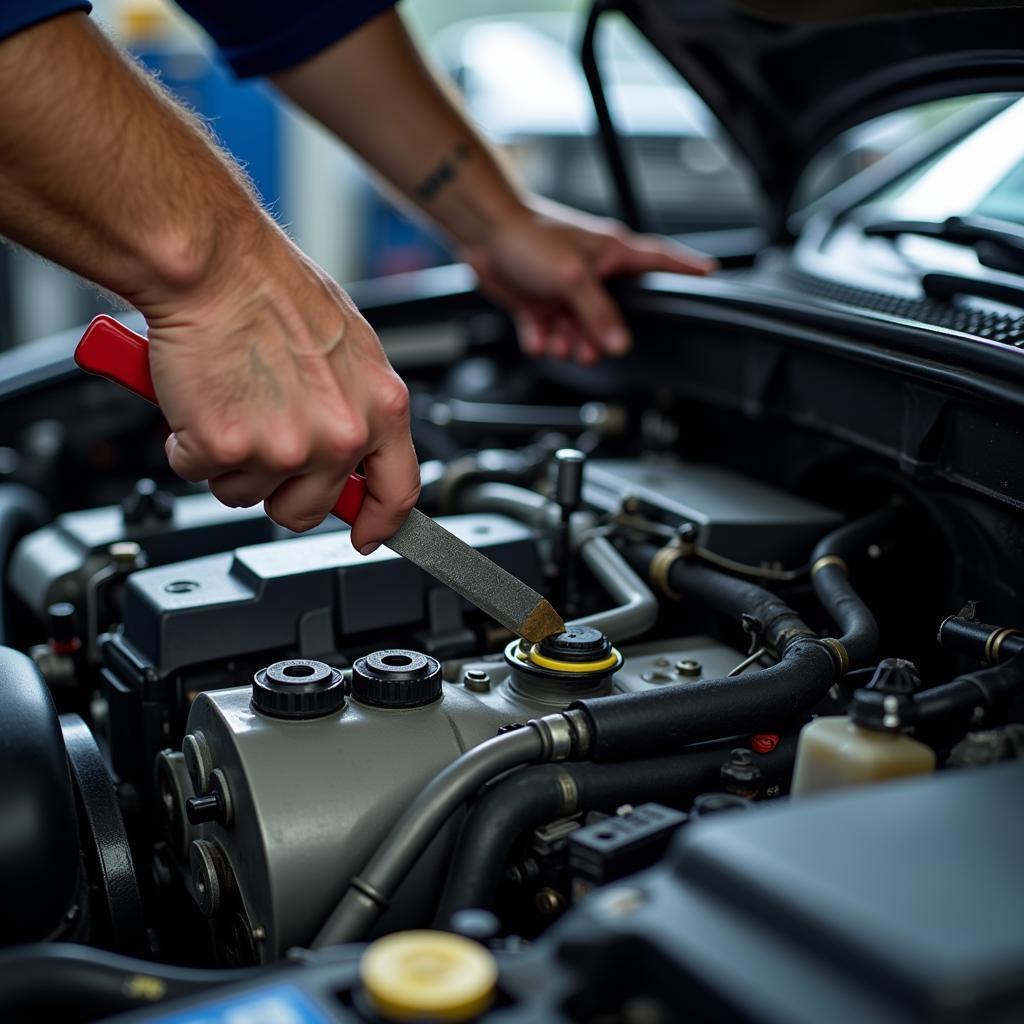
(426, 975)
(554, 664)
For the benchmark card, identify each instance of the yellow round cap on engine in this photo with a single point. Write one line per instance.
(557, 665)
(428, 975)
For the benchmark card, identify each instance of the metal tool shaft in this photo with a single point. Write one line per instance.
(475, 577)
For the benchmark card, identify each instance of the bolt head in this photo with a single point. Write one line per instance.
(548, 901)
(477, 680)
(689, 667)
(125, 552)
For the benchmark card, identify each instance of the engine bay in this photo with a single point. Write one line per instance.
(790, 673)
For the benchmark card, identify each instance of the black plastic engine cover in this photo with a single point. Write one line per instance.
(893, 903)
(211, 622)
(734, 515)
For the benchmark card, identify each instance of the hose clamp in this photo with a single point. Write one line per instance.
(562, 734)
(580, 725)
(994, 643)
(661, 565)
(370, 892)
(827, 560)
(783, 639)
(570, 792)
(839, 655)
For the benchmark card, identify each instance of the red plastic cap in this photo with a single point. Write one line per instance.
(764, 742)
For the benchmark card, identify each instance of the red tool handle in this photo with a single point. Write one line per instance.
(111, 350)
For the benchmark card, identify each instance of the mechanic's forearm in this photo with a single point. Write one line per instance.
(374, 91)
(103, 173)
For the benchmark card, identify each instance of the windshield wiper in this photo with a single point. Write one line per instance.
(998, 245)
(948, 286)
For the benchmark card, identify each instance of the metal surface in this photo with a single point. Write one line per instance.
(475, 577)
(422, 821)
(314, 799)
(567, 477)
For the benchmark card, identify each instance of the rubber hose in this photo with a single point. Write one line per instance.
(979, 640)
(369, 893)
(21, 510)
(727, 594)
(859, 630)
(528, 798)
(59, 981)
(986, 688)
(626, 726)
(531, 797)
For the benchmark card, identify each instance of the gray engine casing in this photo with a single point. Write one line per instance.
(312, 800)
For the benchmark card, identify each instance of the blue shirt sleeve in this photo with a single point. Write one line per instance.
(18, 14)
(259, 37)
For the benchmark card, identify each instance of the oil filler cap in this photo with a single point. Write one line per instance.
(396, 679)
(428, 976)
(298, 688)
(577, 644)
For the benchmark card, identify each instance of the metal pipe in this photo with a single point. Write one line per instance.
(508, 500)
(637, 608)
(551, 738)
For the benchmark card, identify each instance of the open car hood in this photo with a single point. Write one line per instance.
(786, 76)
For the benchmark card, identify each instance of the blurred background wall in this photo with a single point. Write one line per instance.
(516, 63)
(304, 176)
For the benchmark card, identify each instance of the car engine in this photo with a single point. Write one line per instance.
(233, 756)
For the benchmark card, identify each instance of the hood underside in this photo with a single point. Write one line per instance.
(786, 76)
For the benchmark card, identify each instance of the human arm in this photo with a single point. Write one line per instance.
(272, 383)
(545, 262)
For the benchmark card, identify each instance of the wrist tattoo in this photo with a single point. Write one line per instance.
(443, 174)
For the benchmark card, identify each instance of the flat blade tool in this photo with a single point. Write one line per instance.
(111, 350)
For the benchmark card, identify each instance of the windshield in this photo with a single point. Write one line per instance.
(982, 175)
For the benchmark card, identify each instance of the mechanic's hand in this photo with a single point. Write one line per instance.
(275, 389)
(547, 267)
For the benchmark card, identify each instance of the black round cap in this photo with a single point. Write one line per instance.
(396, 679)
(886, 704)
(298, 688)
(576, 643)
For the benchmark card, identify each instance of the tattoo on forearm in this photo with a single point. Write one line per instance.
(443, 174)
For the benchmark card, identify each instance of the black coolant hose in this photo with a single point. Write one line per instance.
(737, 599)
(60, 981)
(830, 579)
(630, 725)
(531, 797)
(21, 510)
